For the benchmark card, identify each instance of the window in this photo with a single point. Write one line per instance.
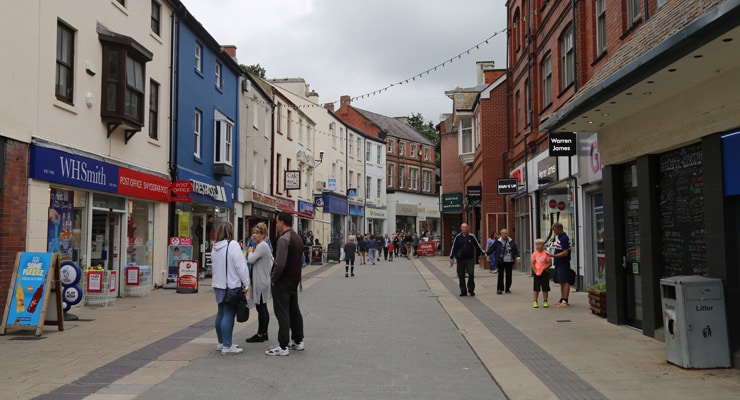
(517, 28)
(123, 80)
(401, 149)
(156, 17)
(466, 135)
(401, 177)
(546, 68)
(413, 151)
(300, 130)
(368, 184)
(600, 27)
(517, 110)
(267, 120)
(222, 139)
(218, 75)
(288, 123)
(197, 125)
(122, 2)
(426, 177)
(278, 167)
(367, 151)
(390, 146)
(351, 144)
(413, 178)
(390, 175)
(379, 187)
(567, 57)
(198, 57)
(64, 84)
(333, 137)
(426, 154)
(341, 178)
(633, 12)
(359, 182)
(359, 147)
(351, 177)
(153, 110)
(378, 155)
(341, 137)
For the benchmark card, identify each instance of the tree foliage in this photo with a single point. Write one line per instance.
(427, 129)
(255, 69)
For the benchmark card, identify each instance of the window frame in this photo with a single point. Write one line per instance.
(546, 72)
(197, 133)
(379, 155)
(600, 31)
(401, 149)
(154, 90)
(426, 154)
(218, 68)
(567, 57)
(223, 139)
(67, 65)
(633, 12)
(413, 178)
(156, 19)
(351, 145)
(198, 57)
(401, 177)
(379, 188)
(390, 169)
(368, 152)
(463, 133)
(368, 185)
(426, 184)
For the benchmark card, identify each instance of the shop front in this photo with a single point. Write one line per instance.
(338, 208)
(428, 218)
(260, 208)
(406, 217)
(100, 215)
(199, 219)
(376, 218)
(305, 213)
(356, 218)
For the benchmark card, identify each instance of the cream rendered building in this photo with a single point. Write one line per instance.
(86, 86)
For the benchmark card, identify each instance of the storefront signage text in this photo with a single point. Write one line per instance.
(562, 144)
(507, 186)
(547, 171)
(452, 202)
(215, 192)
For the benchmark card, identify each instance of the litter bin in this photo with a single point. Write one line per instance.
(695, 322)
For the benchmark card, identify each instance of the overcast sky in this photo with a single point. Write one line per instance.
(354, 47)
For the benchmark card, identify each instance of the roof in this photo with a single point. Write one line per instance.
(395, 127)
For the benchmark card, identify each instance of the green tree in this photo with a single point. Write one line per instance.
(427, 129)
(255, 69)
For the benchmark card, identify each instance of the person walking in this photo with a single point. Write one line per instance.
(386, 243)
(379, 244)
(350, 248)
(362, 246)
(489, 251)
(229, 273)
(507, 253)
(465, 250)
(285, 276)
(415, 244)
(396, 244)
(407, 244)
(260, 257)
(541, 278)
(372, 248)
(561, 260)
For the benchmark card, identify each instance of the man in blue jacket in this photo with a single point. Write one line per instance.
(466, 249)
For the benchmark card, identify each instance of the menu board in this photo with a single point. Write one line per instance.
(632, 228)
(681, 207)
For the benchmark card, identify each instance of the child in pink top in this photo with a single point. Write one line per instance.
(541, 262)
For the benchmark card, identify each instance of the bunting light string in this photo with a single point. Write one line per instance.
(432, 69)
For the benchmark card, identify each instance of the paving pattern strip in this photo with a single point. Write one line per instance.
(563, 382)
(126, 365)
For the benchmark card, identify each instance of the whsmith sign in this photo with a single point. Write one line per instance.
(562, 144)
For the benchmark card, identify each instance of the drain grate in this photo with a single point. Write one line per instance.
(563, 320)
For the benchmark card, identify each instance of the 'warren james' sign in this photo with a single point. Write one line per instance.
(562, 144)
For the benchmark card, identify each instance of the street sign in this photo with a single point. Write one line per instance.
(507, 185)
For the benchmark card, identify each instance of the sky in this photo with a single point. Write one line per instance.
(355, 47)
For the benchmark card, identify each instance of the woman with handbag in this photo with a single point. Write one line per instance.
(260, 257)
(230, 276)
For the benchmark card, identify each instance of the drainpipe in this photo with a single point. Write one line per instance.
(174, 113)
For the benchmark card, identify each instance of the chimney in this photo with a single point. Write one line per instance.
(313, 96)
(329, 106)
(230, 50)
(483, 67)
(345, 100)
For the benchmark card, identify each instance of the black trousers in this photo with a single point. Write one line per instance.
(463, 267)
(263, 317)
(504, 268)
(287, 312)
(385, 253)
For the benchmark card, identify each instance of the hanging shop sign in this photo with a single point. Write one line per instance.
(452, 202)
(507, 186)
(562, 144)
(305, 209)
(292, 180)
(474, 194)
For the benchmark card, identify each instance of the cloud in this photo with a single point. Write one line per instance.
(355, 47)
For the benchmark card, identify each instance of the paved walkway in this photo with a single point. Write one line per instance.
(395, 331)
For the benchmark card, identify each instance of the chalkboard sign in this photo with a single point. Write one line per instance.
(332, 251)
(683, 237)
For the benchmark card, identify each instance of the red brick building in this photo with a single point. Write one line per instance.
(474, 156)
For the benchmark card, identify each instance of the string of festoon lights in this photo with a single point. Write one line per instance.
(406, 81)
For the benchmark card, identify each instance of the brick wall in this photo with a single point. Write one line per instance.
(13, 212)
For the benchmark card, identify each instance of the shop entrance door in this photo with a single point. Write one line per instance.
(631, 261)
(200, 239)
(106, 236)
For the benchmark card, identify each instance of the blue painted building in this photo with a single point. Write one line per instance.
(205, 139)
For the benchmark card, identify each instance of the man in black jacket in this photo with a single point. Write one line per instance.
(466, 249)
(285, 277)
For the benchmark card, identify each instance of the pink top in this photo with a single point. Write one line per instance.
(540, 262)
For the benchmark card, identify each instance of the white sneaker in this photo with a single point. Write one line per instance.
(219, 347)
(278, 351)
(297, 346)
(234, 349)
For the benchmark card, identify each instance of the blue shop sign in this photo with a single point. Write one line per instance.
(72, 169)
(731, 163)
(207, 190)
(335, 204)
(357, 210)
(306, 208)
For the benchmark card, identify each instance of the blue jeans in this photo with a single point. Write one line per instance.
(225, 323)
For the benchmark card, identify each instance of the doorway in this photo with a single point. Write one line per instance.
(105, 237)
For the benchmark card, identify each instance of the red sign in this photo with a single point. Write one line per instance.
(182, 188)
(561, 206)
(132, 276)
(427, 248)
(113, 281)
(553, 203)
(146, 186)
(187, 276)
(95, 281)
(181, 241)
(285, 204)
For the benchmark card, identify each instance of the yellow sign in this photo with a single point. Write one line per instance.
(183, 224)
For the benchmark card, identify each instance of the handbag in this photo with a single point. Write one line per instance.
(232, 295)
(242, 308)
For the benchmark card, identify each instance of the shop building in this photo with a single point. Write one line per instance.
(667, 129)
(205, 140)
